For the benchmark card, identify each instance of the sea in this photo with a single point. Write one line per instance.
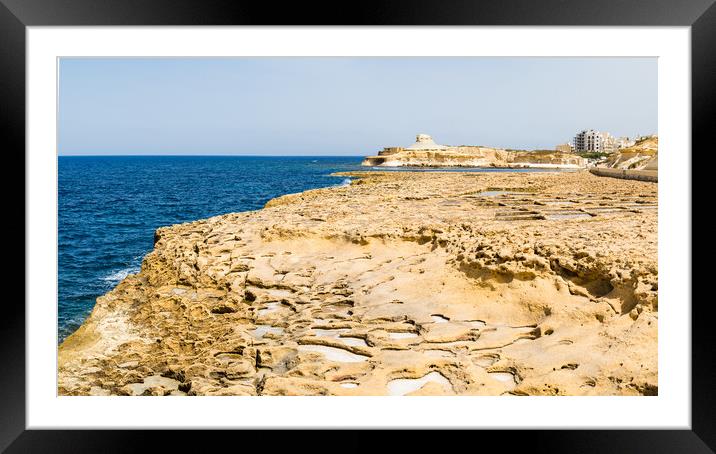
(110, 206)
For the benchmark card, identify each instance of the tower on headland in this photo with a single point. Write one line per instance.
(425, 142)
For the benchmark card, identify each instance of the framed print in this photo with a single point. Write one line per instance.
(395, 216)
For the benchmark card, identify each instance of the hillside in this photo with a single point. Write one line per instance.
(642, 156)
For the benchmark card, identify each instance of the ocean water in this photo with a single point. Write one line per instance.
(109, 207)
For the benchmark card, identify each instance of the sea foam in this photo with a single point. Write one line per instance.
(117, 276)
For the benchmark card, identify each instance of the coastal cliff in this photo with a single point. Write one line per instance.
(400, 283)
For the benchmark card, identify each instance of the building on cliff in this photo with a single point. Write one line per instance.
(425, 142)
(591, 141)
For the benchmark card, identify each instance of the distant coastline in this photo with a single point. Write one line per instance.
(426, 153)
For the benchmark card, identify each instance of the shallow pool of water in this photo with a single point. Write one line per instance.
(354, 341)
(403, 386)
(333, 353)
(263, 329)
(507, 378)
(329, 332)
(335, 333)
(270, 307)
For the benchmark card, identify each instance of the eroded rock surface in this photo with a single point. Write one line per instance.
(401, 283)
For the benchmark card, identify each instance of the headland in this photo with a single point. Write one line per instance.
(426, 153)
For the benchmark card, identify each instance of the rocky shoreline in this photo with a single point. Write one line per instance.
(426, 153)
(477, 157)
(444, 283)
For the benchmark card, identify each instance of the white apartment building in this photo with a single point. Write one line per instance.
(591, 141)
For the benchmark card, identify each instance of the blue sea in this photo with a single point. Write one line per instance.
(109, 207)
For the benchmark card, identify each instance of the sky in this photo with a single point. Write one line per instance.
(345, 105)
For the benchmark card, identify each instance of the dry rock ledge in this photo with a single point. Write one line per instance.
(401, 283)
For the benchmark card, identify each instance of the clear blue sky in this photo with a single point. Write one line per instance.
(345, 106)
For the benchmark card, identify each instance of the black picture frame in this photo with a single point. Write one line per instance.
(16, 15)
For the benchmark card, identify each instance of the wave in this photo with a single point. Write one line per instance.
(117, 276)
(344, 183)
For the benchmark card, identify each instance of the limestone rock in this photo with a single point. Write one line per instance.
(401, 283)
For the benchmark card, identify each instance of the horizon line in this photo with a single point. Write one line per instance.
(207, 155)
